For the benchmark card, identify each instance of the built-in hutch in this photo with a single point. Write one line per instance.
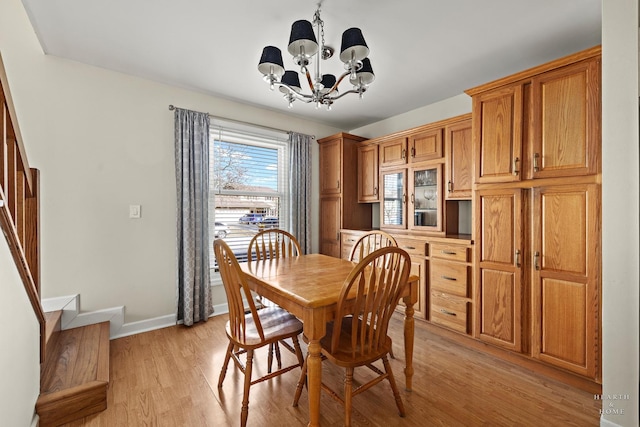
(500, 212)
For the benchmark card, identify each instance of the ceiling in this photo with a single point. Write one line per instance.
(422, 51)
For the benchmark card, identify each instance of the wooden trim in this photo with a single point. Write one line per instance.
(13, 118)
(525, 74)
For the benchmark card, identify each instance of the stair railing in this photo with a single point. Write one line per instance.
(19, 203)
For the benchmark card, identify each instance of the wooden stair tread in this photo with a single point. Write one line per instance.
(75, 375)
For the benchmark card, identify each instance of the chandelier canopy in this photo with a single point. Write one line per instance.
(303, 46)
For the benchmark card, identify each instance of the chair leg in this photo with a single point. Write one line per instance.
(227, 357)
(394, 387)
(348, 390)
(301, 381)
(276, 347)
(270, 358)
(296, 347)
(247, 384)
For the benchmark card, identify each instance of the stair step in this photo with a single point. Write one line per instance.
(75, 376)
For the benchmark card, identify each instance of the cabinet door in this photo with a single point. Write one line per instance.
(497, 134)
(330, 166)
(330, 226)
(566, 262)
(393, 203)
(425, 146)
(459, 160)
(417, 252)
(368, 173)
(425, 199)
(499, 297)
(566, 121)
(393, 153)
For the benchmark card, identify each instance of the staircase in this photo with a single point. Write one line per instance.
(74, 363)
(75, 374)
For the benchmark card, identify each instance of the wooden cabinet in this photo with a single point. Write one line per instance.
(339, 207)
(450, 284)
(459, 160)
(550, 115)
(416, 248)
(498, 265)
(497, 134)
(348, 239)
(425, 198)
(424, 146)
(566, 121)
(393, 152)
(566, 276)
(537, 206)
(393, 198)
(368, 188)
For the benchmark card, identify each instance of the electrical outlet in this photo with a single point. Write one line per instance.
(134, 211)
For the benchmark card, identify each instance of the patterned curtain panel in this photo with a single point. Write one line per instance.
(300, 174)
(192, 184)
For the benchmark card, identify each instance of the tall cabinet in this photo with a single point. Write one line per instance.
(339, 207)
(537, 210)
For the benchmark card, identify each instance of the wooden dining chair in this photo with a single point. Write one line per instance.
(249, 328)
(272, 244)
(370, 242)
(358, 335)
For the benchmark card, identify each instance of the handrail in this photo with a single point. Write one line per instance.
(19, 203)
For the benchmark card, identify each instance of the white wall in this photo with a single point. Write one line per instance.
(104, 140)
(19, 340)
(620, 210)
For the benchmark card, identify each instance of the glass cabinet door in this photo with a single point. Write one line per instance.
(394, 199)
(426, 198)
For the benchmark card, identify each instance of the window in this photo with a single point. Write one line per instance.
(248, 185)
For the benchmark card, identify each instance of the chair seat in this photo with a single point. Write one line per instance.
(343, 356)
(276, 323)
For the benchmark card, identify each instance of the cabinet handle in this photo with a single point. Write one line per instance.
(448, 313)
(404, 153)
(536, 260)
(518, 258)
(404, 199)
(351, 240)
(413, 199)
(338, 235)
(449, 278)
(338, 184)
(413, 152)
(375, 191)
(410, 247)
(536, 156)
(449, 186)
(515, 165)
(448, 252)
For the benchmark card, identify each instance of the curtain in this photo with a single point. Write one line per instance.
(300, 179)
(192, 185)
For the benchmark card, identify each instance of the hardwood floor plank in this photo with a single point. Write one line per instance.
(169, 377)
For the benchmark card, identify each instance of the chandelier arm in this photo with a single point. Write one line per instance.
(297, 95)
(335, 86)
(309, 79)
(358, 91)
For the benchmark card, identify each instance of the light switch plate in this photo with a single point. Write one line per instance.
(134, 211)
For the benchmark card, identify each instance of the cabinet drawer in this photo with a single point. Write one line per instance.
(450, 312)
(450, 252)
(347, 240)
(412, 246)
(450, 277)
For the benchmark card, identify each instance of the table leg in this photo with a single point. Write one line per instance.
(408, 342)
(314, 378)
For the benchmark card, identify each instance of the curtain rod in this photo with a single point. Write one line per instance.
(172, 107)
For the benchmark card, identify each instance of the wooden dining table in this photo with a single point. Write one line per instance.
(308, 286)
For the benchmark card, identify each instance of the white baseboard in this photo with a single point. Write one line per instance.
(145, 326)
(72, 317)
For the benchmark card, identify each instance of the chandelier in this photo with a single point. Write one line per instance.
(303, 46)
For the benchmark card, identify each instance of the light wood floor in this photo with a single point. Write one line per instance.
(169, 377)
